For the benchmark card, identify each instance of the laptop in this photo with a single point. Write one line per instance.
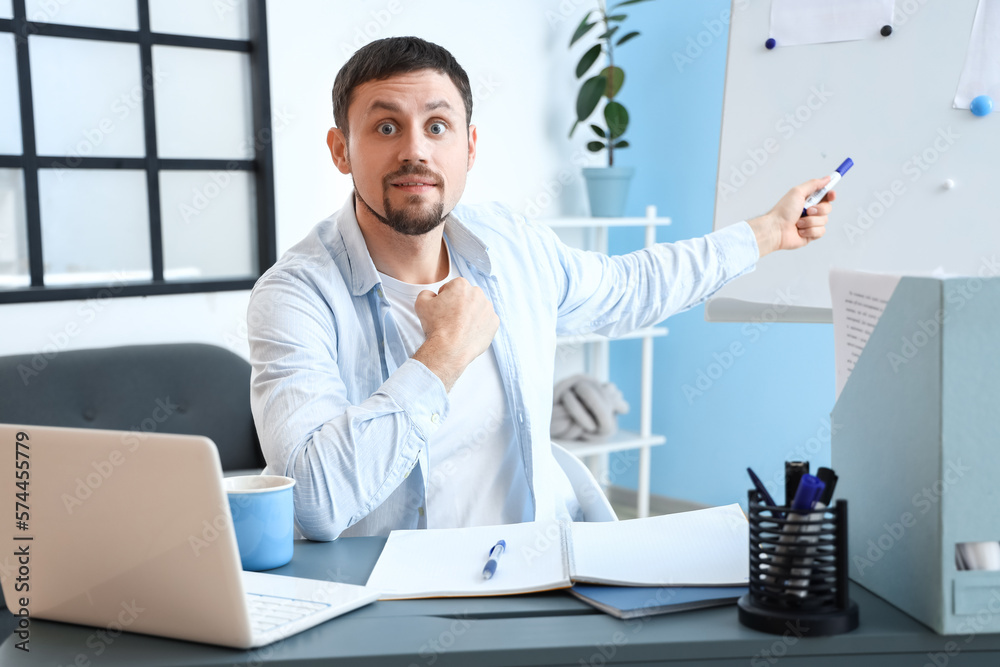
(132, 530)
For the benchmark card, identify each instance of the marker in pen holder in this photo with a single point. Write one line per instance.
(798, 571)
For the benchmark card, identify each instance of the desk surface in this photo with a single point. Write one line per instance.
(542, 629)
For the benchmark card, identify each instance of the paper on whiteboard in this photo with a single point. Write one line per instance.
(981, 74)
(815, 21)
(858, 300)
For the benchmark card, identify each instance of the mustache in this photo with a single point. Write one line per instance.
(411, 170)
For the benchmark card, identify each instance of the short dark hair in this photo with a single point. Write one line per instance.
(387, 57)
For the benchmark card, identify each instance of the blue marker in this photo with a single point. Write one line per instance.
(491, 564)
(835, 177)
(809, 491)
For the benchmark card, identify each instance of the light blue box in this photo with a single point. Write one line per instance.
(916, 444)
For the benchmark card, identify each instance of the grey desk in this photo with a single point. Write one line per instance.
(546, 629)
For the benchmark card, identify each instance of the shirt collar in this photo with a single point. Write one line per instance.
(363, 275)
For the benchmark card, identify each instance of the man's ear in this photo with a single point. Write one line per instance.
(472, 145)
(337, 143)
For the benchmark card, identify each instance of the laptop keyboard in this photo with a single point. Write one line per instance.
(268, 612)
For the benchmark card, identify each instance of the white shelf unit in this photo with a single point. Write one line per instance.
(596, 350)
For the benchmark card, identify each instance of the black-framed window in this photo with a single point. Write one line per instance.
(135, 148)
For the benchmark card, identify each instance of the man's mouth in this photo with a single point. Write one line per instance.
(414, 186)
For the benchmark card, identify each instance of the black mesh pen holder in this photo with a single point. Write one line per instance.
(798, 571)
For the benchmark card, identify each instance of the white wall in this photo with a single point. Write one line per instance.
(521, 72)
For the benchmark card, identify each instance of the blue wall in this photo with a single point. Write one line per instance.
(772, 401)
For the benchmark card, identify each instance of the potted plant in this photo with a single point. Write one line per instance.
(607, 187)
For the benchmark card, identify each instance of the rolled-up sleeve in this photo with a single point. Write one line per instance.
(346, 458)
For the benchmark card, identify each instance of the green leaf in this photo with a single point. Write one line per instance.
(590, 94)
(618, 17)
(609, 34)
(621, 144)
(587, 60)
(594, 146)
(582, 29)
(599, 131)
(627, 2)
(634, 33)
(573, 129)
(617, 118)
(615, 77)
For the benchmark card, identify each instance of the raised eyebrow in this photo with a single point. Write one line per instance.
(392, 107)
(385, 106)
(437, 104)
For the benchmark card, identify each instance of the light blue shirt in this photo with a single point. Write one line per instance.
(339, 406)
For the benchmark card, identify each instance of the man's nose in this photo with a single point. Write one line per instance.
(414, 147)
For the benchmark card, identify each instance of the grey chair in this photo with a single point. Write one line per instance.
(186, 388)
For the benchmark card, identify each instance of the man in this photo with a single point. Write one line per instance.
(403, 352)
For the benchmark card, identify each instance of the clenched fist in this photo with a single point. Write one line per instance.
(459, 325)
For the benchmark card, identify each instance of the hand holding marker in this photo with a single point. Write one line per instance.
(835, 177)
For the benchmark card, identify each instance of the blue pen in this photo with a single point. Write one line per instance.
(491, 564)
(759, 485)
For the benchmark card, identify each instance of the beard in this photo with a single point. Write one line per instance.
(414, 220)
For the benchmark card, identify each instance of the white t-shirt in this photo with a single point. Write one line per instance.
(476, 470)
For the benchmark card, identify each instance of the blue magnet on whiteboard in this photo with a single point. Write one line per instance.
(770, 43)
(981, 105)
(886, 30)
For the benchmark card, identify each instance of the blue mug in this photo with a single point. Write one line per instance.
(263, 519)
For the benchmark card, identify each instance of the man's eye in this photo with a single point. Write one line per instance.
(386, 129)
(438, 128)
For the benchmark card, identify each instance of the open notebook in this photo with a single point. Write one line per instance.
(700, 548)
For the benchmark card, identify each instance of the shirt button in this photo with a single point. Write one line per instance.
(435, 418)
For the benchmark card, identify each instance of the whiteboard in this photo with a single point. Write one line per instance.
(797, 112)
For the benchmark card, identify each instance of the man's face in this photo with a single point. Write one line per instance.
(408, 149)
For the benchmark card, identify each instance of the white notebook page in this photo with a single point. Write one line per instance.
(448, 562)
(701, 548)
